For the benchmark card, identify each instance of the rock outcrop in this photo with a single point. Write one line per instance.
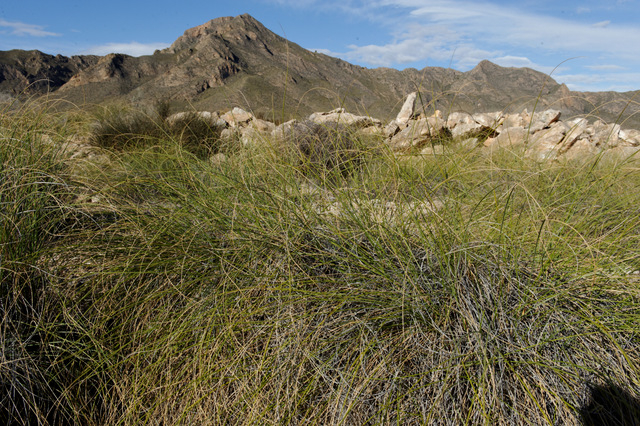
(34, 73)
(540, 135)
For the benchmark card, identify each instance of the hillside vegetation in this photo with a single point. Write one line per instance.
(316, 279)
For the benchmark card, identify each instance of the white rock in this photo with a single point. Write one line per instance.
(339, 115)
(547, 143)
(510, 137)
(581, 149)
(212, 118)
(237, 117)
(489, 119)
(543, 120)
(630, 136)
(282, 131)
(407, 110)
(251, 136)
(262, 125)
(418, 132)
(606, 135)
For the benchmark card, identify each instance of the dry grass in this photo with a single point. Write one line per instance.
(195, 293)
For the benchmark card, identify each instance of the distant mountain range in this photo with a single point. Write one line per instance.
(236, 61)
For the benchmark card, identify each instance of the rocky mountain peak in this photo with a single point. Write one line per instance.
(239, 28)
(485, 66)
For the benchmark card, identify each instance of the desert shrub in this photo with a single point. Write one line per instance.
(328, 151)
(162, 108)
(32, 193)
(196, 134)
(286, 315)
(122, 128)
(457, 289)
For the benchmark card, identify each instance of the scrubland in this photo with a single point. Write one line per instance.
(156, 279)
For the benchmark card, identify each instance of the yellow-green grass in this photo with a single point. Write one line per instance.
(461, 288)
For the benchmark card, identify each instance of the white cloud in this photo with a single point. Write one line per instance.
(469, 31)
(620, 82)
(583, 54)
(493, 23)
(605, 67)
(134, 48)
(22, 29)
(601, 24)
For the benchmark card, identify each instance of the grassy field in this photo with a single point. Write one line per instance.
(318, 285)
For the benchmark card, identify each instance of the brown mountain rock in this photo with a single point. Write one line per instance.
(33, 72)
(237, 62)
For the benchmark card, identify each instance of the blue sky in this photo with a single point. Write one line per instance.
(592, 45)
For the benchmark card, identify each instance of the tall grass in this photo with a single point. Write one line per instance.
(118, 128)
(451, 289)
(32, 214)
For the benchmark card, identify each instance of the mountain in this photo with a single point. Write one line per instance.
(35, 73)
(236, 61)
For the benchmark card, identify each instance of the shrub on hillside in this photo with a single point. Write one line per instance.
(327, 150)
(121, 129)
(195, 133)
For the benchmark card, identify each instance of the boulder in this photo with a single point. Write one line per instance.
(283, 130)
(510, 137)
(543, 120)
(515, 120)
(237, 117)
(408, 109)
(391, 129)
(490, 120)
(462, 124)
(212, 118)
(631, 137)
(418, 132)
(542, 134)
(581, 148)
(339, 115)
(622, 154)
(605, 135)
(547, 144)
(262, 125)
(250, 136)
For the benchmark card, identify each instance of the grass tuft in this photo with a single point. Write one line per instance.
(329, 283)
(122, 129)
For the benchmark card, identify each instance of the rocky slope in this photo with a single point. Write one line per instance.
(234, 61)
(35, 73)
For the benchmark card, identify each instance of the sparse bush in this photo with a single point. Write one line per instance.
(329, 150)
(32, 211)
(162, 109)
(122, 128)
(196, 134)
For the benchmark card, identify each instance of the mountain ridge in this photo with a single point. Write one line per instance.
(236, 61)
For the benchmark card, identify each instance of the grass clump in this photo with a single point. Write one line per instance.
(329, 151)
(461, 288)
(125, 129)
(33, 212)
